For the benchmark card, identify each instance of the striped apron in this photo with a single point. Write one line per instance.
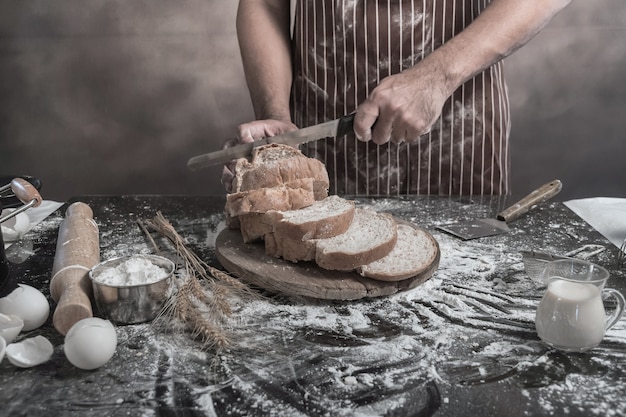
(343, 48)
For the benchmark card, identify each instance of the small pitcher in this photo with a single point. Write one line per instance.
(571, 315)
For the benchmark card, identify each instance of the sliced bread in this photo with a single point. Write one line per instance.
(371, 236)
(321, 220)
(289, 196)
(414, 252)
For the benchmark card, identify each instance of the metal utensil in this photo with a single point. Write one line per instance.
(25, 192)
(536, 261)
(488, 227)
(132, 303)
(334, 128)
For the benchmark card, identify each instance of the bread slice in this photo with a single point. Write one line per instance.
(371, 236)
(288, 196)
(321, 220)
(415, 251)
(275, 165)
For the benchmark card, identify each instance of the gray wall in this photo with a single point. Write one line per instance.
(113, 96)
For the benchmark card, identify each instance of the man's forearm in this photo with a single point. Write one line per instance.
(264, 42)
(502, 28)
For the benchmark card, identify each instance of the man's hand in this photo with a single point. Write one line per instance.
(403, 106)
(247, 133)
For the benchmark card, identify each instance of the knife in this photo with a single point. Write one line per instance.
(334, 128)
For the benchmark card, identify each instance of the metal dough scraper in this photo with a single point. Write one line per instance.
(488, 227)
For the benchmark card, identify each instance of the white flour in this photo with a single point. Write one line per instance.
(133, 271)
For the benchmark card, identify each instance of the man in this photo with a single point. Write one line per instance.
(424, 77)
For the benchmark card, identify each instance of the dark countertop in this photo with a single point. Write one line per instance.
(461, 344)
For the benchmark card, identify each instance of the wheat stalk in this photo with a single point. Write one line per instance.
(202, 303)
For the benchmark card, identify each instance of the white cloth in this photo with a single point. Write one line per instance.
(605, 214)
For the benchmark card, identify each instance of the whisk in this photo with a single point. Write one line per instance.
(26, 193)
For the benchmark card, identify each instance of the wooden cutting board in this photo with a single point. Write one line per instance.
(249, 262)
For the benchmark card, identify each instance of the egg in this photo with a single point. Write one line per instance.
(30, 352)
(27, 303)
(90, 343)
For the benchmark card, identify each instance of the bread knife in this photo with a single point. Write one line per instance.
(334, 128)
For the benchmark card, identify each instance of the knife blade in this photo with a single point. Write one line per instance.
(333, 128)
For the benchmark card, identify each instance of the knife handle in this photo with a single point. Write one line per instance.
(346, 125)
(541, 194)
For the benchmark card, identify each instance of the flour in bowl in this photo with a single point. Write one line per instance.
(133, 271)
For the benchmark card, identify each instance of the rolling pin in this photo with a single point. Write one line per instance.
(77, 251)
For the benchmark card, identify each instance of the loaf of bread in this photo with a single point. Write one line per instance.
(281, 197)
(414, 252)
(278, 177)
(274, 165)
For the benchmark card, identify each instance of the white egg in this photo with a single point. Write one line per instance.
(27, 303)
(90, 343)
(30, 352)
(10, 327)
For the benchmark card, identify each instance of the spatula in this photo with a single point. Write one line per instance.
(477, 228)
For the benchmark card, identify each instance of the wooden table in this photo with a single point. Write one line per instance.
(461, 344)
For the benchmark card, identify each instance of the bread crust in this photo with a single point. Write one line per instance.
(290, 249)
(254, 226)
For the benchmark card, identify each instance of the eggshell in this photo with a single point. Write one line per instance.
(15, 227)
(30, 352)
(3, 347)
(10, 327)
(27, 303)
(90, 343)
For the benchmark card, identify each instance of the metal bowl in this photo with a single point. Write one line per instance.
(132, 303)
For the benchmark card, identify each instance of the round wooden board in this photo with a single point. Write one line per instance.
(250, 263)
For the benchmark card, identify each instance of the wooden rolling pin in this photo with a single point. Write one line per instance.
(77, 251)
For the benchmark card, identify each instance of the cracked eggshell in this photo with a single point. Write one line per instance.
(27, 303)
(90, 343)
(30, 352)
(15, 227)
(3, 347)
(10, 327)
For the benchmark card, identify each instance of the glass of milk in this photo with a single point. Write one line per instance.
(571, 314)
